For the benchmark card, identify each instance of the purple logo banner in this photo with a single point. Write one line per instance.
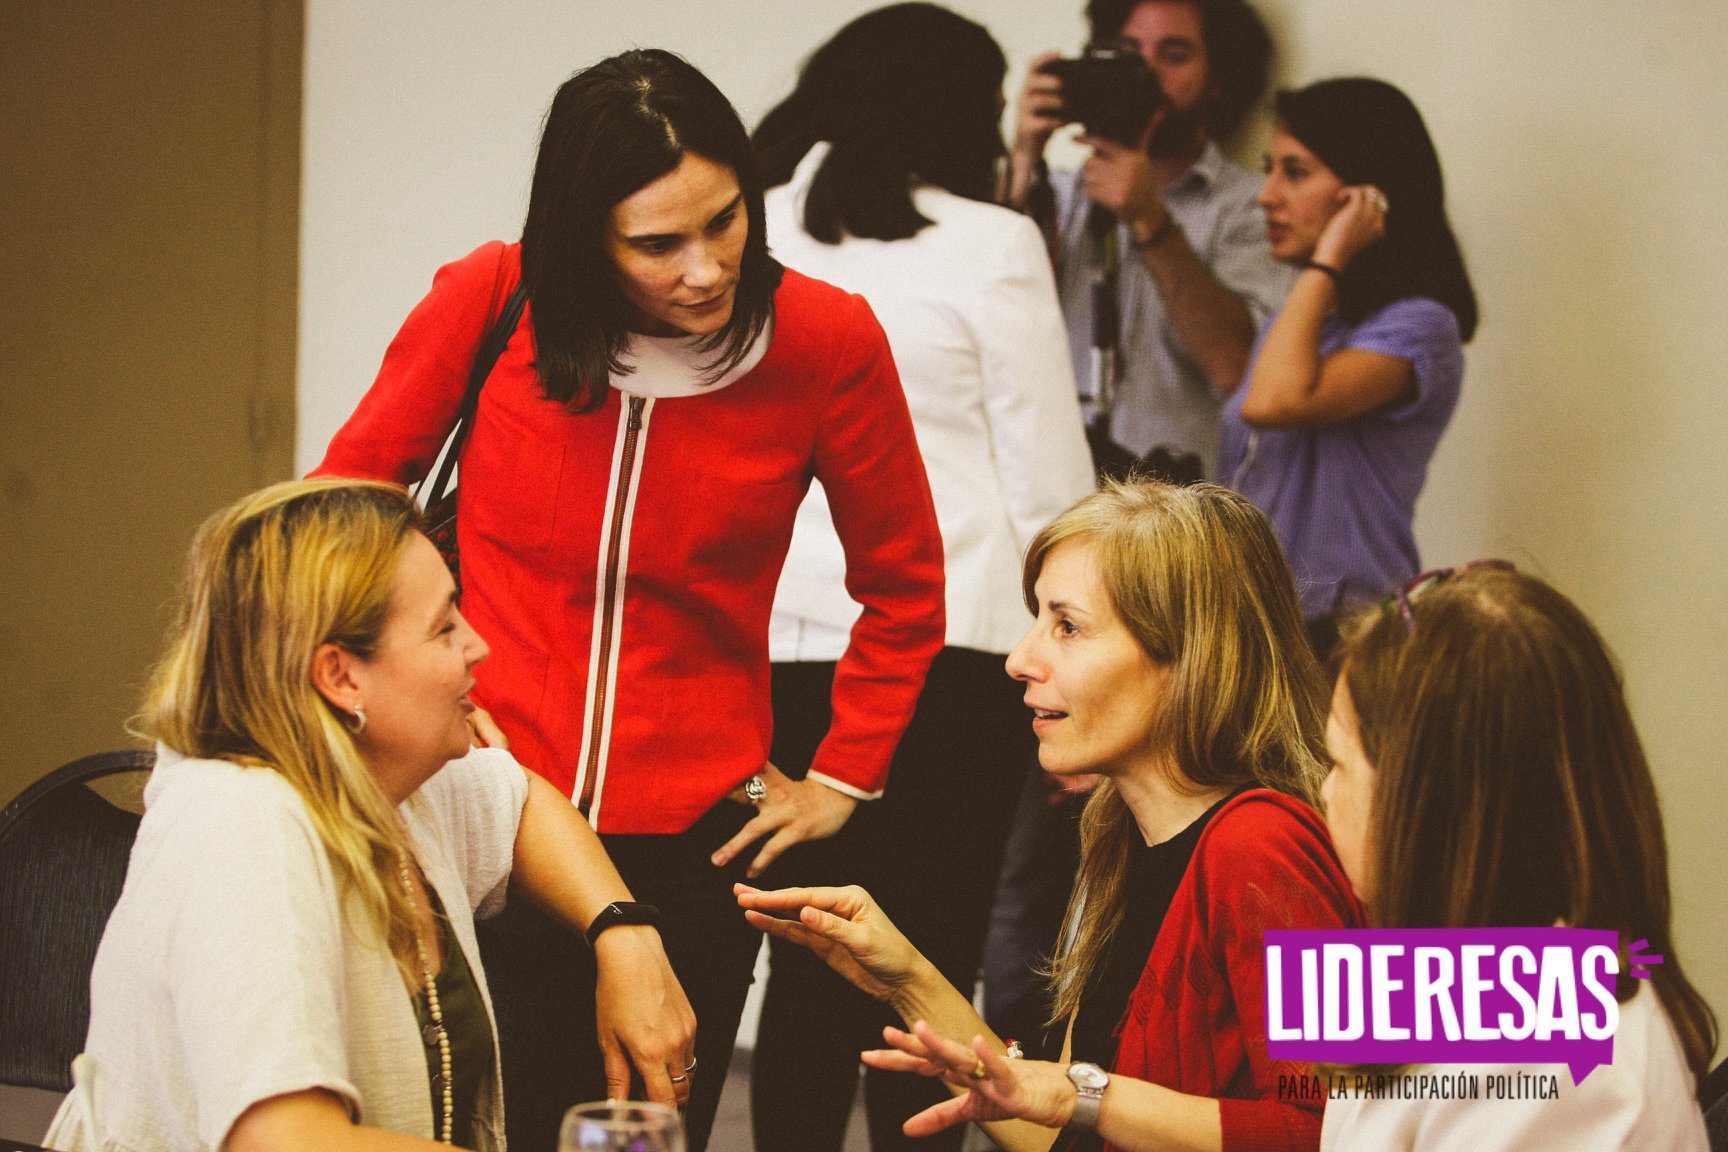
(1444, 996)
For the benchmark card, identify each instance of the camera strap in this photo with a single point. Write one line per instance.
(1100, 399)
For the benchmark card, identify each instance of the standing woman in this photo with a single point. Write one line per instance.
(882, 166)
(1353, 381)
(1486, 773)
(628, 491)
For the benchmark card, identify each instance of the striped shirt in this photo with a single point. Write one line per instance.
(1163, 398)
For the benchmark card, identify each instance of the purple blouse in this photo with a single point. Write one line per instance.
(1343, 496)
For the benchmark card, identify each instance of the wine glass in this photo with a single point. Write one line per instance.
(621, 1126)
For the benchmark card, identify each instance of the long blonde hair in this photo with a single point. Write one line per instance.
(269, 579)
(1197, 577)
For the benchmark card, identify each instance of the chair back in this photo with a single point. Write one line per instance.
(63, 855)
(1714, 1097)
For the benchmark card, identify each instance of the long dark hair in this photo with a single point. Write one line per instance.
(1512, 789)
(1238, 53)
(903, 94)
(1368, 132)
(612, 129)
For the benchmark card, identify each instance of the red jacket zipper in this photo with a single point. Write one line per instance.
(607, 622)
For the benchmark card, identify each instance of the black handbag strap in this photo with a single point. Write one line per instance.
(491, 348)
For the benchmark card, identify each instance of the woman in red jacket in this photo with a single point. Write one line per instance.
(1168, 657)
(627, 497)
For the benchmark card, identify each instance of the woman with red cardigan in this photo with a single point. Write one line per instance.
(1168, 657)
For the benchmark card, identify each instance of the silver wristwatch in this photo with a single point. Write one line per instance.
(1090, 1082)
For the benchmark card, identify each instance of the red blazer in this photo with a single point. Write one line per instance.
(1196, 1022)
(622, 563)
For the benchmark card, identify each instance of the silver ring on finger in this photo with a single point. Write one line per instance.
(680, 1079)
(755, 791)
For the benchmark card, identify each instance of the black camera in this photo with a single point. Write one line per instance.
(1110, 90)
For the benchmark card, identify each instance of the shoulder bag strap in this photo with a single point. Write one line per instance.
(485, 359)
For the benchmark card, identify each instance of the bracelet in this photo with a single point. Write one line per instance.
(1159, 235)
(1326, 268)
(620, 912)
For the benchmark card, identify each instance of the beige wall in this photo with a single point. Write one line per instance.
(1586, 152)
(422, 117)
(149, 172)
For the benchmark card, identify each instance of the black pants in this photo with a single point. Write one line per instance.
(929, 851)
(542, 980)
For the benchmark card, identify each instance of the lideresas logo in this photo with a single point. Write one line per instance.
(1446, 996)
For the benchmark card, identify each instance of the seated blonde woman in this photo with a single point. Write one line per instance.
(292, 962)
(1487, 773)
(1167, 656)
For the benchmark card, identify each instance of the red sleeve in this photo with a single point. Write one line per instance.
(403, 420)
(1272, 866)
(868, 462)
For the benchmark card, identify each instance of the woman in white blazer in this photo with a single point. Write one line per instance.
(881, 167)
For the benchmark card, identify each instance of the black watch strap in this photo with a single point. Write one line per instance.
(620, 912)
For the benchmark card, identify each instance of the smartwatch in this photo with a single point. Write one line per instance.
(1089, 1081)
(620, 912)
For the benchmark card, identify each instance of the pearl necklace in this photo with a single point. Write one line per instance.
(435, 1030)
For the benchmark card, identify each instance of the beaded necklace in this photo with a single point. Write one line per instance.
(445, 1083)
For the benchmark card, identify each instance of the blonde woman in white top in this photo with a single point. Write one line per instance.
(881, 169)
(292, 961)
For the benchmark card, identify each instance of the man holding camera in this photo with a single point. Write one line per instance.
(1162, 264)
(1164, 275)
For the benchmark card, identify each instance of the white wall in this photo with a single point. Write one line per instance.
(1586, 146)
(422, 118)
(1586, 153)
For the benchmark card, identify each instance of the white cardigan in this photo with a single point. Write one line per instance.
(1643, 1100)
(969, 306)
(230, 971)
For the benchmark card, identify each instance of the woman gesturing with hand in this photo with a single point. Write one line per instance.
(996, 1086)
(1166, 656)
(845, 928)
(850, 933)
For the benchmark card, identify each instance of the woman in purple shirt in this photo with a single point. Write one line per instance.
(1352, 382)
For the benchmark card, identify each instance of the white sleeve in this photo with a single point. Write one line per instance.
(1037, 440)
(254, 962)
(1603, 1112)
(478, 800)
(1597, 1117)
